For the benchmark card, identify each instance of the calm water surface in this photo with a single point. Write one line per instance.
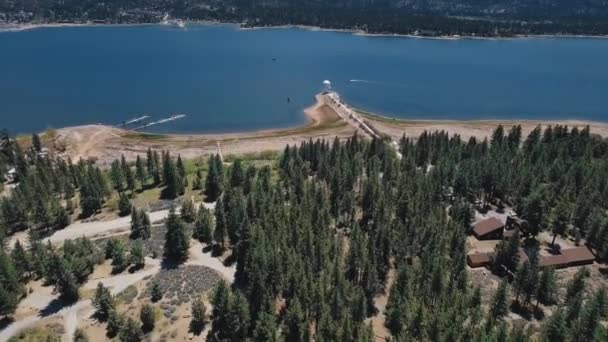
(225, 79)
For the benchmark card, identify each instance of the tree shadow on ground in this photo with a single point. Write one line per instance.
(170, 264)
(217, 251)
(230, 260)
(207, 248)
(196, 328)
(5, 321)
(522, 310)
(55, 306)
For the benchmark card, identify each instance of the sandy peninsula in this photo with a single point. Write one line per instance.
(105, 143)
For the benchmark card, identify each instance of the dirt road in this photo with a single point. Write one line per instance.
(84, 309)
(198, 258)
(97, 228)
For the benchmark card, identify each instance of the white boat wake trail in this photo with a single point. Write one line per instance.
(380, 83)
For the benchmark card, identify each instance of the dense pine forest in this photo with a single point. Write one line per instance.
(330, 227)
(427, 18)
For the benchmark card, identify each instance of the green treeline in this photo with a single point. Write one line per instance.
(316, 246)
(318, 236)
(427, 18)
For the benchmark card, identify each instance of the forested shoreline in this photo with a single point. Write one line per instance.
(498, 18)
(316, 235)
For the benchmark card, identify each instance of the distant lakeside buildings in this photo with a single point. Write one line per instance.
(494, 229)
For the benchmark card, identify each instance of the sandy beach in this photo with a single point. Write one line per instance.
(106, 143)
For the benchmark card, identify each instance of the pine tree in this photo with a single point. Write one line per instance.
(145, 225)
(221, 303)
(177, 240)
(236, 214)
(136, 256)
(117, 176)
(181, 169)
(265, 328)
(150, 161)
(532, 210)
(213, 183)
(500, 306)
(199, 316)
(187, 212)
(140, 172)
(203, 225)
(130, 331)
(506, 256)
(36, 143)
(220, 232)
(555, 329)
(295, 322)
(173, 180)
(136, 225)
(115, 324)
(531, 282)
(128, 173)
(103, 303)
(239, 317)
(498, 136)
(119, 258)
(62, 218)
(237, 176)
(124, 205)
(197, 184)
(157, 293)
(10, 287)
(577, 284)
(21, 261)
(65, 281)
(558, 220)
(546, 287)
(147, 318)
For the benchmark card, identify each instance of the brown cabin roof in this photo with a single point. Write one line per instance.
(578, 254)
(553, 260)
(568, 257)
(487, 226)
(479, 257)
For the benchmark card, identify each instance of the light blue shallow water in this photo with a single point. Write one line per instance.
(225, 79)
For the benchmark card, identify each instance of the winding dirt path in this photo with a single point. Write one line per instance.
(198, 258)
(72, 312)
(97, 229)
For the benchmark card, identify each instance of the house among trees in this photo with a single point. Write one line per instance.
(568, 258)
(489, 229)
(516, 223)
(479, 259)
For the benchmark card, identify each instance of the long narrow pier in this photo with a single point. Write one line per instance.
(132, 121)
(171, 118)
(350, 116)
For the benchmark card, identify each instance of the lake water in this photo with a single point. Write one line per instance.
(225, 79)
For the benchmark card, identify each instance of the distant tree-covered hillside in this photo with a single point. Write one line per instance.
(423, 17)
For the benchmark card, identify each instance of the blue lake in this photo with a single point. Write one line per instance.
(226, 79)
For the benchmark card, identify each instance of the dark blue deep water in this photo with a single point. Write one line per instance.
(225, 79)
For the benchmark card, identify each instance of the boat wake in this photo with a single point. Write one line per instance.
(384, 84)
